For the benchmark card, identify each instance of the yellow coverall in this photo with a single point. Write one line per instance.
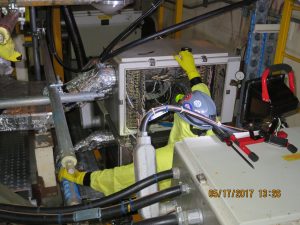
(110, 181)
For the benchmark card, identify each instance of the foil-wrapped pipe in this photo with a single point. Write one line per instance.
(94, 140)
(99, 80)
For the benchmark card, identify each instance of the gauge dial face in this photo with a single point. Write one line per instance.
(240, 75)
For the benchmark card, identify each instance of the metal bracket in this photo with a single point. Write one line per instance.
(87, 214)
(152, 62)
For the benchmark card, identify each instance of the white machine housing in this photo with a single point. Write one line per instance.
(212, 170)
(160, 54)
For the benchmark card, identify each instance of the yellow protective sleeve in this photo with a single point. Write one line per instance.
(7, 51)
(110, 181)
(77, 177)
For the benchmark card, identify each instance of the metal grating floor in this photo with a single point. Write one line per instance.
(15, 160)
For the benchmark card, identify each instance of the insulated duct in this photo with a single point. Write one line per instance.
(94, 140)
(99, 80)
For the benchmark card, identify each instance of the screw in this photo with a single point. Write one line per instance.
(201, 178)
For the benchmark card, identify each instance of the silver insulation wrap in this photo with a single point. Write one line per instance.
(94, 140)
(99, 80)
(37, 121)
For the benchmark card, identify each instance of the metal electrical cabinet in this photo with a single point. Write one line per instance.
(149, 71)
(229, 192)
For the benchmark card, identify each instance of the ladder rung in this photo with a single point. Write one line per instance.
(296, 7)
(294, 58)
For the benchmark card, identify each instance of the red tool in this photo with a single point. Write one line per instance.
(243, 142)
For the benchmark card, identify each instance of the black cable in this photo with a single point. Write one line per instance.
(106, 213)
(160, 220)
(52, 49)
(132, 206)
(74, 35)
(10, 216)
(178, 27)
(130, 29)
(108, 200)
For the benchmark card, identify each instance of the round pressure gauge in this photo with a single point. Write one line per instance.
(240, 75)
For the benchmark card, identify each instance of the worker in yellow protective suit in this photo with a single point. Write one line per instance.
(110, 181)
(7, 46)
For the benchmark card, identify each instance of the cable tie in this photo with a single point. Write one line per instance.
(167, 109)
(181, 111)
(129, 206)
(123, 210)
(156, 178)
(153, 111)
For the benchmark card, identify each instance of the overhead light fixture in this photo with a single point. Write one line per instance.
(112, 6)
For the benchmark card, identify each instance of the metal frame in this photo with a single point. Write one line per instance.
(284, 31)
(117, 104)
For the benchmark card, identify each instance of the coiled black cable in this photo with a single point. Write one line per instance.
(105, 201)
(74, 35)
(106, 213)
(130, 29)
(178, 27)
(52, 49)
(160, 220)
(132, 206)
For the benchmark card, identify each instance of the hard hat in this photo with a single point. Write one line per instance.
(200, 102)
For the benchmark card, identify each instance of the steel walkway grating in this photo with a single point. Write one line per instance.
(14, 160)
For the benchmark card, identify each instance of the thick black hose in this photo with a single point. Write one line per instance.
(130, 28)
(74, 35)
(132, 206)
(178, 27)
(52, 49)
(161, 220)
(105, 201)
(106, 213)
(10, 216)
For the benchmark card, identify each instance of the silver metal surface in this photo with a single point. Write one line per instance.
(35, 44)
(61, 128)
(94, 140)
(101, 80)
(87, 214)
(14, 160)
(35, 121)
(44, 100)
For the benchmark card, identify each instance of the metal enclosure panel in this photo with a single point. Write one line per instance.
(223, 169)
(159, 54)
(96, 35)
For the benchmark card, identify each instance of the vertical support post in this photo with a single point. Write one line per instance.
(35, 44)
(58, 69)
(161, 13)
(284, 31)
(178, 16)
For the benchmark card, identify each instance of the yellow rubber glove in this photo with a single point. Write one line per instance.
(186, 60)
(76, 177)
(7, 47)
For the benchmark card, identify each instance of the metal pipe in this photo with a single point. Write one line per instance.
(35, 44)
(44, 100)
(203, 4)
(64, 141)
(48, 2)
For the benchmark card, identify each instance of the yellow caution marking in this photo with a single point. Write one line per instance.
(104, 17)
(291, 157)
